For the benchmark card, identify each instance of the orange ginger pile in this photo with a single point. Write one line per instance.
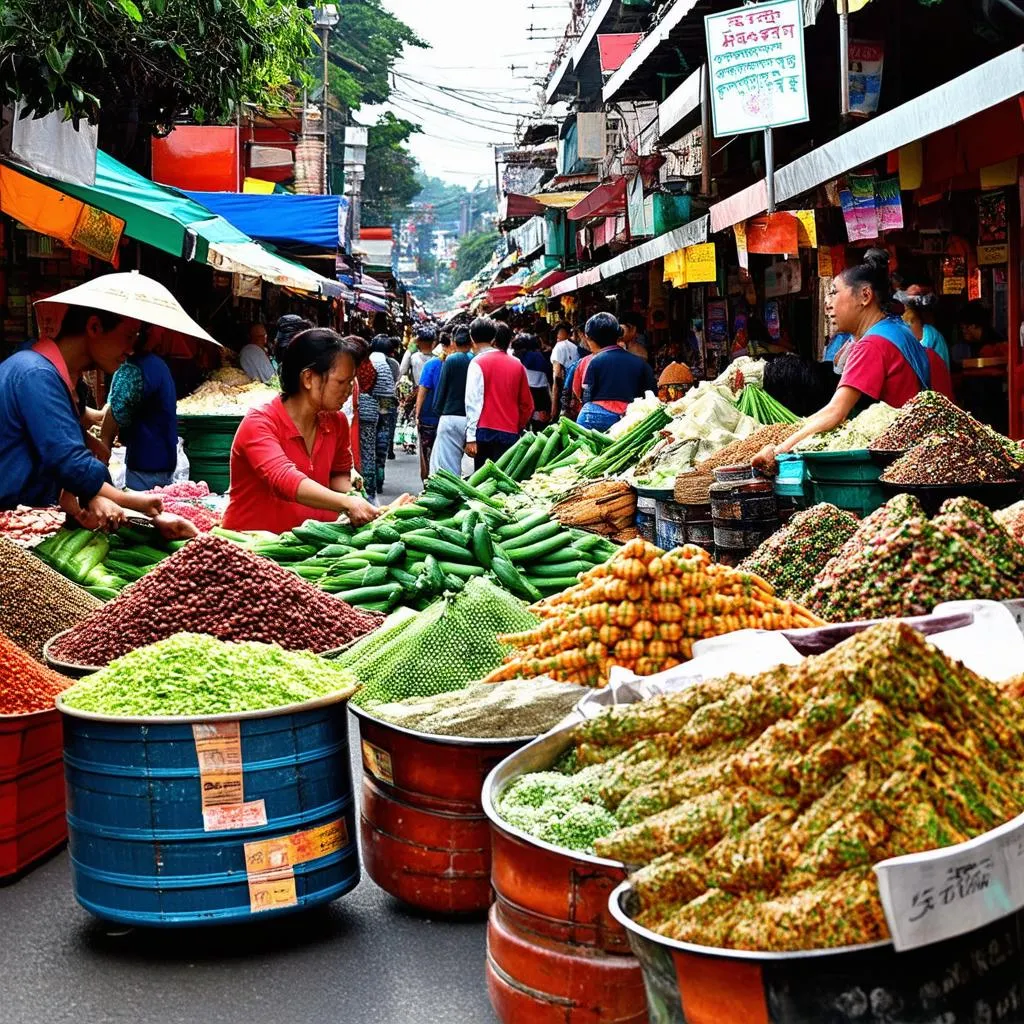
(643, 610)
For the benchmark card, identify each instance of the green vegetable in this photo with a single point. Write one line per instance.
(199, 676)
(509, 576)
(483, 548)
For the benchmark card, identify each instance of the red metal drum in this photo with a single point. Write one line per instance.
(32, 820)
(425, 837)
(555, 953)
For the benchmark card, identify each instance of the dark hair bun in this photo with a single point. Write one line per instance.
(877, 258)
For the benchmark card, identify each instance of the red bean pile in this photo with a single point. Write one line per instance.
(25, 685)
(215, 587)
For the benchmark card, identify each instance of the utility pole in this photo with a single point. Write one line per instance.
(325, 18)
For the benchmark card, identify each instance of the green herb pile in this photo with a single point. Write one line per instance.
(452, 643)
(198, 676)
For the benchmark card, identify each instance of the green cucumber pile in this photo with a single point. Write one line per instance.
(454, 532)
(105, 564)
(756, 402)
(562, 444)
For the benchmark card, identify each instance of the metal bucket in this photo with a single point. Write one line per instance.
(425, 836)
(276, 834)
(554, 951)
(964, 980)
(32, 822)
(670, 529)
(645, 519)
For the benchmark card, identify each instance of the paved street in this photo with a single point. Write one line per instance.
(363, 960)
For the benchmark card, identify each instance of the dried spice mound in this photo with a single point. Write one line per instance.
(855, 434)
(214, 587)
(36, 602)
(692, 488)
(960, 459)
(1012, 520)
(198, 676)
(25, 685)
(751, 809)
(792, 557)
(927, 413)
(899, 564)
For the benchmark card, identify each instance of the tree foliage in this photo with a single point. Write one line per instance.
(150, 62)
(474, 252)
(390, 184)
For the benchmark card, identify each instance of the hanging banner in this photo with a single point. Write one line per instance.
(866, 60)
(806, 229)
(742, 253)
(758, 69)
(675, 269)
(993, 238)
(774, 234)
(889, 204)
(701, 267)
(860, 211)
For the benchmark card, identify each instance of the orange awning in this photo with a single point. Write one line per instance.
(49, 212)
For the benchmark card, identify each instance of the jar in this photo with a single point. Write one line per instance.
(743, 500)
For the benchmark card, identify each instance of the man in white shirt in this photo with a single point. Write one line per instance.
(254, 359)
(414, 361)
(564, 356)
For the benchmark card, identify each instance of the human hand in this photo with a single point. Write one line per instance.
(149, 505)
(360, 511)
(103, 514)
(471, 449)
(98, 448)
(764, 460)
(172, 527)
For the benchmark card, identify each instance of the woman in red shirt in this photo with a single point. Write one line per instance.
(291, 460)
(886, 362)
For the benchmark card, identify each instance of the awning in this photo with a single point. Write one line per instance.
(178, 225)
(502, 293)
(679, 238)
(515, 205)
(994, 82)
(648, 46)
(583, 279)
(680, 103)
(605, 201)
(49, 212)
(549, 280)
(281, 219)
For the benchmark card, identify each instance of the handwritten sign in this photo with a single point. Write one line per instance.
(757, 67)
(219, 751)
(700, 263)
(928, 897)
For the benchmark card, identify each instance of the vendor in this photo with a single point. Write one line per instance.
(919, 304)
(142, 409)
(291, 459)
(980, 340)
(44, 457)
(886, 363)
(254, 359)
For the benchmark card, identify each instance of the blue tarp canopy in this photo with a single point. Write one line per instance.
(281, 219)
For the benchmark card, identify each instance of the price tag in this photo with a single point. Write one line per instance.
(928, 897)
(219, 750)
(272, 890)
(233, 816)
(378, 763)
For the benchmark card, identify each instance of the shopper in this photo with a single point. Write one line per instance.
(291, 459)
(43, 453)
(142, 409)
(426, 412)
(367, 416)
(633, 338)
(287, 327)
(387, 406)
(919, 315)
(416, 358)
(613, 377)
(396, 372)
(980, 340)
(538, 375)
(564, 356)
(886, 363)
(254, 359)
(451, 406)
(498, 400)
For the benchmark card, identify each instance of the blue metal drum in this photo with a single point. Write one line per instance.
(281, 838)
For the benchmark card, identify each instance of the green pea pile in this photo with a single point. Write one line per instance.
(198, 676)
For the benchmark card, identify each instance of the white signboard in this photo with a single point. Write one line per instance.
(758, 71)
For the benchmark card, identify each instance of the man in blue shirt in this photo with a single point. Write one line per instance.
(43, 454)
(613, 378)
(427, 416)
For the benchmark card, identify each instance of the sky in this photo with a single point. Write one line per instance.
(474, 44)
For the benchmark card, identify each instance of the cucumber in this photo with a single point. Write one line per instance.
(437, 548)
(336, 551)
(433, 503)
(552, 585)
(449, 536)
(534, 551)
(375, 576)
(483, 546)
(407, 511)
(511, 579)
(469, 525)
(522, 525)
(362, 538)
(364, 595)
(310, 573)
(454, 583)
(386, 533)
(466, 572)
(440, 485)
(348, 564)
(556, 570)
(433, 574)
(413, 523)
(544, 531)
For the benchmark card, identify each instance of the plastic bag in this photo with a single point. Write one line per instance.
(117, 468)
(181, 470)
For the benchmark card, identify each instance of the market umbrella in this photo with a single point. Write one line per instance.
(136, 296)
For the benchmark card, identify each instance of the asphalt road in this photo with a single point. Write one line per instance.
(363, 960)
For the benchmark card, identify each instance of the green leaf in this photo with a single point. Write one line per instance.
(129, 8)
(158, 6)
(180, 51)
(54, 59)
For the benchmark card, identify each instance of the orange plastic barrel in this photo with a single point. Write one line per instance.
(425, 837)
(555, 953)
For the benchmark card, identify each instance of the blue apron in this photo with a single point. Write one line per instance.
(897, 333)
